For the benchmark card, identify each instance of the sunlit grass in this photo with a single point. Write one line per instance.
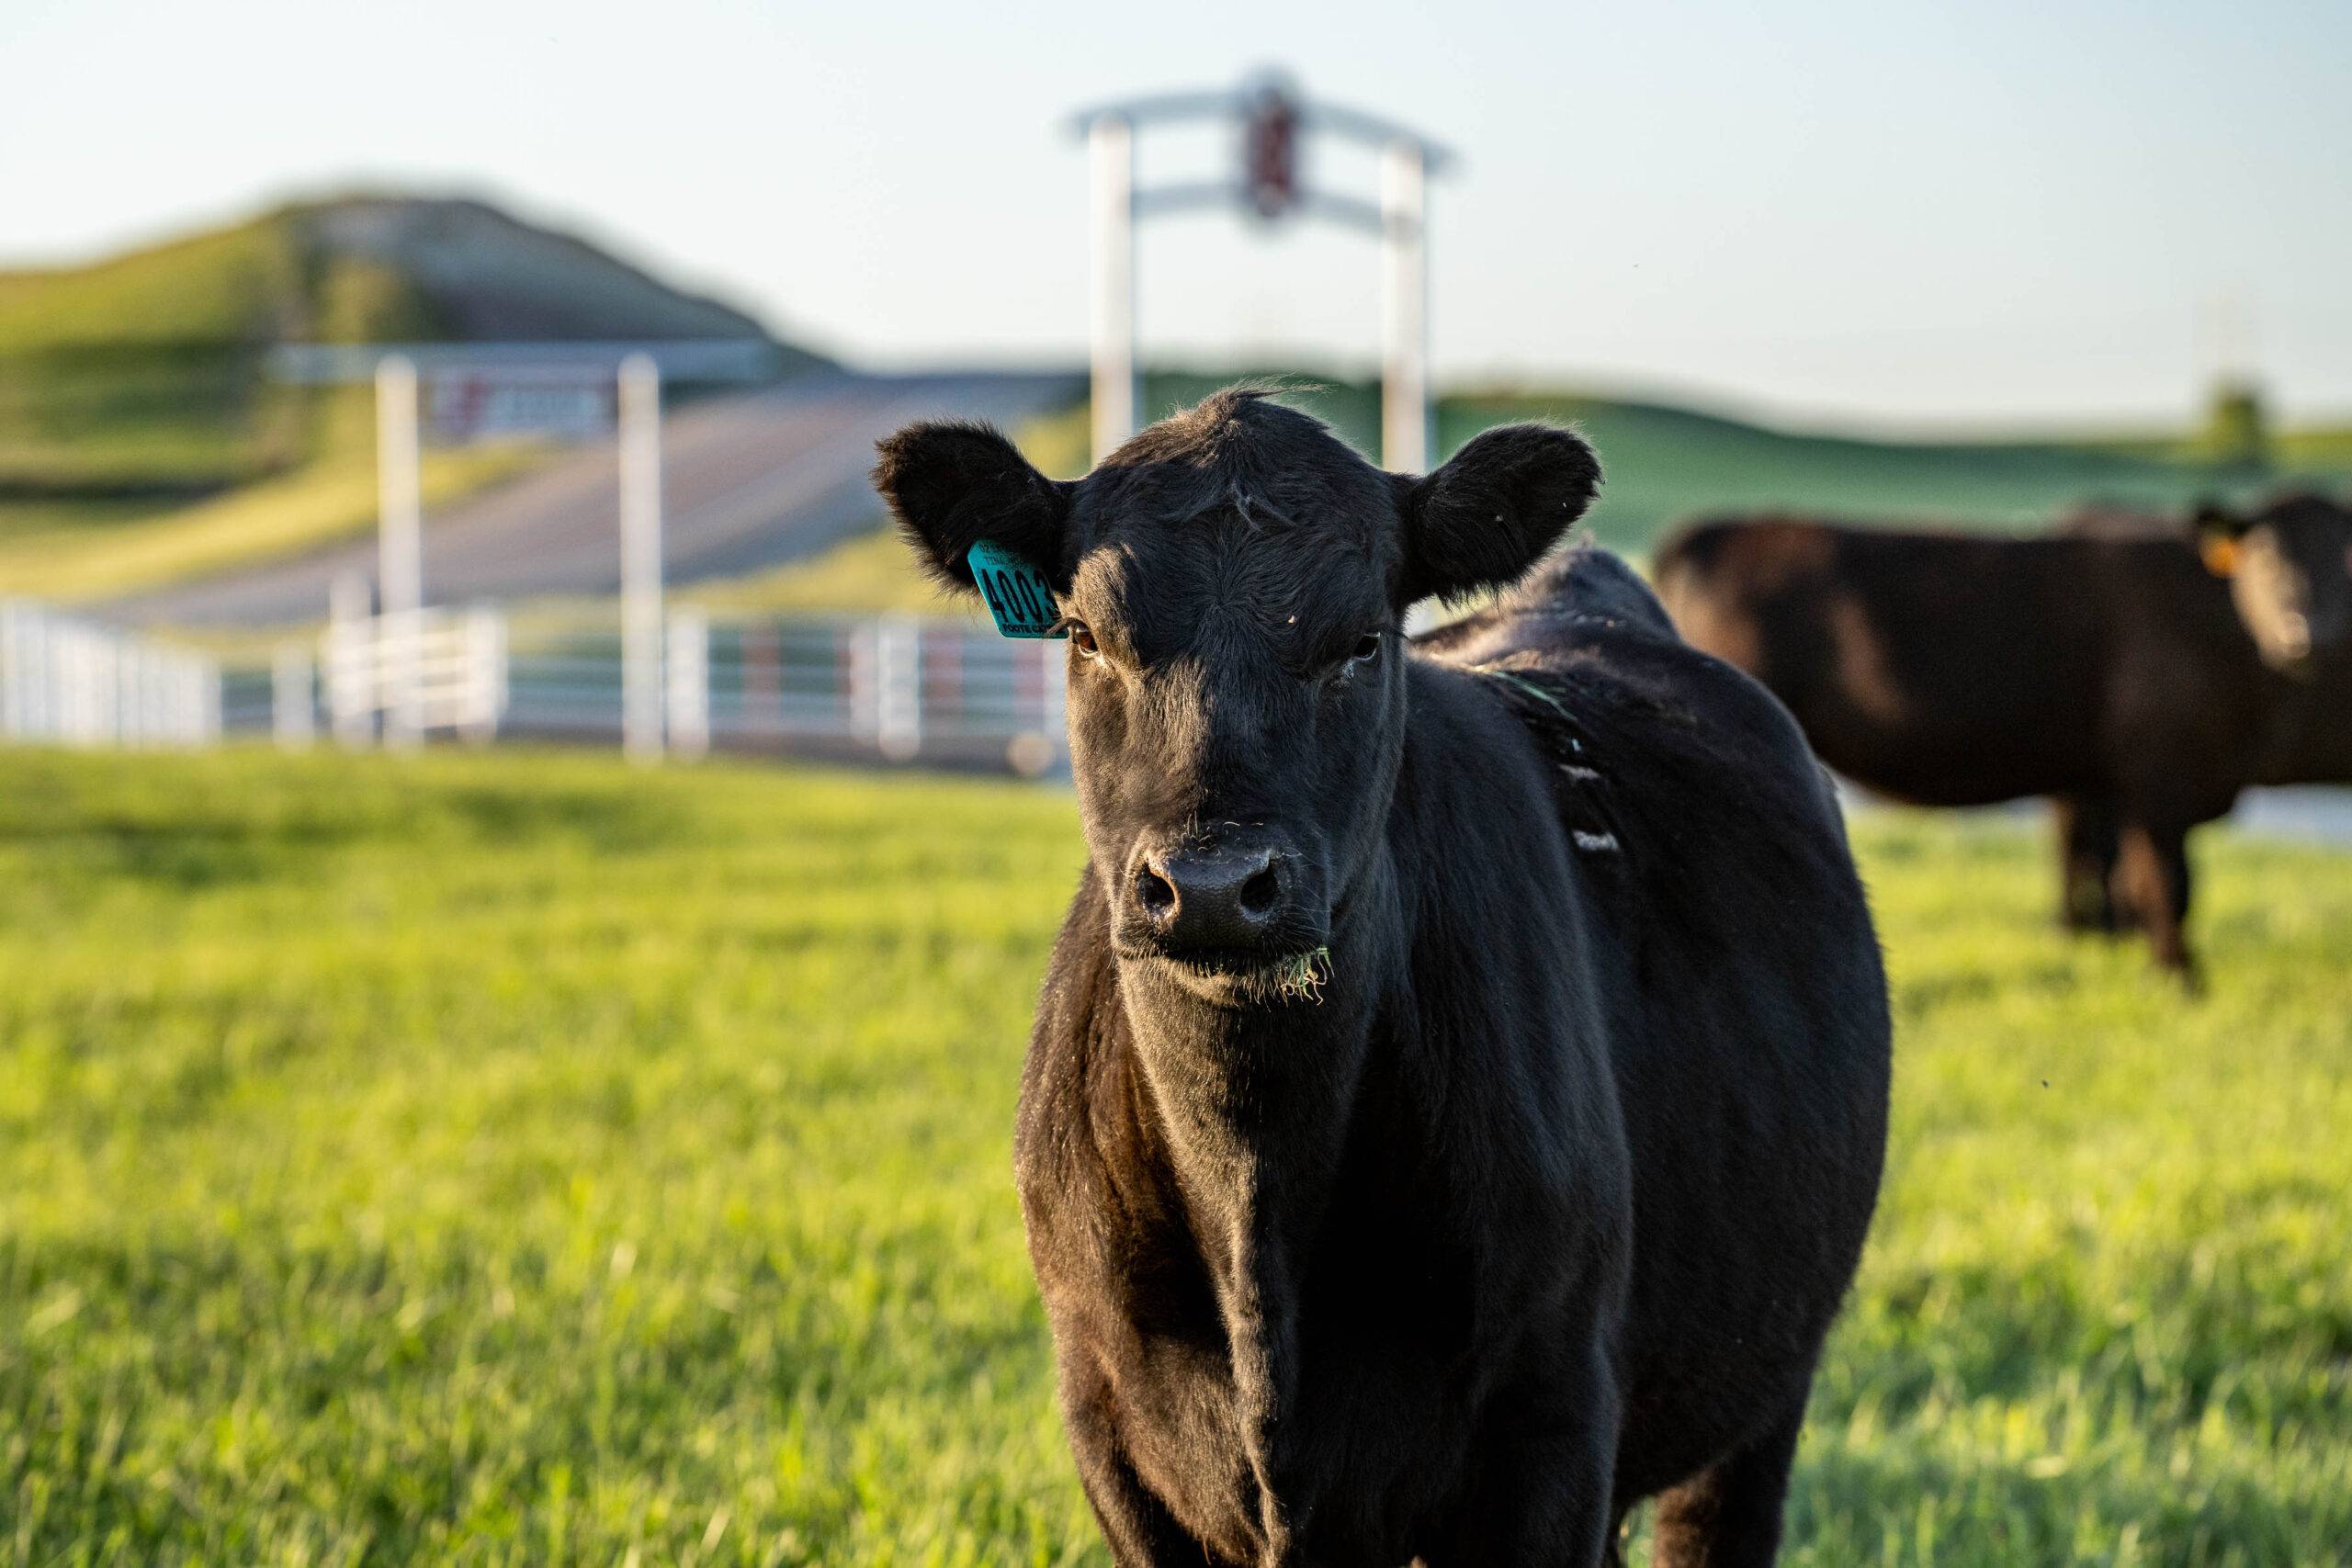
(522, 1157)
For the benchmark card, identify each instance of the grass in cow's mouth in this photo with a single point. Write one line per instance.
(1294, 978)
(1300, 977)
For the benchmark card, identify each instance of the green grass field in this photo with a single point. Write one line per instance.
(520, 1158)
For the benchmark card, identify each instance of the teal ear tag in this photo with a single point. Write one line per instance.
(1018, 595)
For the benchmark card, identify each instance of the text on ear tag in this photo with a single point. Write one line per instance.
(1018, 595)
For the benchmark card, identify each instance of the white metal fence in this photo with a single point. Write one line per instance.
(899, 688)
(894, 688)
(71, 681)
(400, 676)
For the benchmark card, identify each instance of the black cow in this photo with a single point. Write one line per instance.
(1457, 1097)
(2141, 676)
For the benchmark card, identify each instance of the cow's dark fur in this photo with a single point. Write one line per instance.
(1519, 1171)
(2107, 667)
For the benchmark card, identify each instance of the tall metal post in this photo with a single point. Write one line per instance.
(400, 548)
(1405, 284)
(640, 486)
(1109, 142)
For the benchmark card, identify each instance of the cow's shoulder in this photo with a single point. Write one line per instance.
(1068, 1090)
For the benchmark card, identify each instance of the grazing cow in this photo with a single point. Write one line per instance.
(2138, 679)
(2285, 588)
(1458, 1093)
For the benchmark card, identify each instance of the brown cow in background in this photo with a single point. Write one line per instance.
(2140, 675)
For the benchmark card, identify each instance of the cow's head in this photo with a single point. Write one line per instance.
(1233, 581)
(2289, 567)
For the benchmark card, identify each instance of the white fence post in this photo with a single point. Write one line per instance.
(898, 725)
(639, 444)
(293, 702)
(31, 716)
(204, 705)
(41, 676)
(12, 675)
(84, 685)
(20, 675)
(137, 675)
(483, 703)
(120, 721)
(688, 670)
(864, 687)
(400, 549)
(91, 668)
(348, 651)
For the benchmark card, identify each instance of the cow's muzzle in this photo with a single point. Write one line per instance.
(1233, 902)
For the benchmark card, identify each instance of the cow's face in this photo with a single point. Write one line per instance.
(1232, 581)
(2289, 567)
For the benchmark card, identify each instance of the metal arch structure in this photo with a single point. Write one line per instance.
(638, 369)
(1399, 220)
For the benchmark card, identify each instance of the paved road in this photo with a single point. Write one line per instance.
(747, 483)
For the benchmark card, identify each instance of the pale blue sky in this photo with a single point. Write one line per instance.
(1990, 213)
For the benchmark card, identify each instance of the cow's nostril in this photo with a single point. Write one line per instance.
(1157, 895)
(1259, 893)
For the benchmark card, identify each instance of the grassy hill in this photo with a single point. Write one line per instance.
(142, 439)
(142, 442)
(514, 1157)
(144, 376)
(1664, 463)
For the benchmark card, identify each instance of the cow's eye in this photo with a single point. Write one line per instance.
(1366, 648)
(1081, 638)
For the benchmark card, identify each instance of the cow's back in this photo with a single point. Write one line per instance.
(1938, 667)
(1744, 993)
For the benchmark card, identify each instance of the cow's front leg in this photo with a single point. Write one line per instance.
(1140, 1530)
(2153, 869)
(1138, 1526)
(1543, 1473)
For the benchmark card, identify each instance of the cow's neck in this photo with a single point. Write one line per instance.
(1255, 1110)
(1256, 1103)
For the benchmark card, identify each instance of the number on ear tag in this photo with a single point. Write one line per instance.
(1018, 595)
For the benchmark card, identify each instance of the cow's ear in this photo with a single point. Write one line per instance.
(1492, 511)
(951, 485)
(2217, 531)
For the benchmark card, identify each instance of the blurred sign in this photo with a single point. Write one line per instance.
(1270, 152)
(490, 406)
